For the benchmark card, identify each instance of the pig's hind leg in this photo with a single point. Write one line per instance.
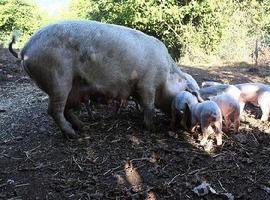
(57, 102)
(236, 121)
(73, 119)
(227, 122)
(264, 103)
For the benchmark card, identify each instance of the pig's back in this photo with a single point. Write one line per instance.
(227, 103)
(209, 109)
(108, 55)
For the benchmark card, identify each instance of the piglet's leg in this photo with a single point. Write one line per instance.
(205, 136)
(242, 106)
(173, 120)
(204, 127)
(265, 111)
(236, 121)
(227, 122)
(218, 132)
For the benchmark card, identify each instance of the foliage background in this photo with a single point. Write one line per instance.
(202, 31)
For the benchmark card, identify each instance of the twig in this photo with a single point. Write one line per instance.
(27, 153)
(139, 159)
(175, 178)
(22, 185)
(255, 139)
(197, 170)
(111, 170)
(115, 123)
(222, 186)
(8, 156)
(75, 161)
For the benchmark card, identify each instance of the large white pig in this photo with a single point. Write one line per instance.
(80, 59)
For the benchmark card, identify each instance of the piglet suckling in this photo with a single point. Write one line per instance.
(178, 106)
(188, 111)
(230, 110)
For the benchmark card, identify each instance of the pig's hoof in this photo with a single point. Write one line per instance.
(70, 134)
(264, 119)
(83, 131)
(203, 142)
(219, 142)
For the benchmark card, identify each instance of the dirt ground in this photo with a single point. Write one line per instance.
(119, 159)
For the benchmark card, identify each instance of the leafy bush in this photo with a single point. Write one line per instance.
(195, 31)
(18, 15)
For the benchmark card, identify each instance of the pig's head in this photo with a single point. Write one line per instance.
(174, 84)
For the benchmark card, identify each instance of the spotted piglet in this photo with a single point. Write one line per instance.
(230, 110)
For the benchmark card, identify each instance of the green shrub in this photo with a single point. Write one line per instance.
(20, 16)
(194, 31)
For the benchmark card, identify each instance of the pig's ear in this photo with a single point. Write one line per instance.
(197, 95)
(187, 116)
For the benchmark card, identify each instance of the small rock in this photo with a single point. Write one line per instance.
(42, 130)
(9, 76)
(173, 134)
(241, 138)
(10, 181)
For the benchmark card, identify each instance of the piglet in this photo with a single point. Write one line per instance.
(218, 89)
(257, 94)
(207, 114)
(230, 110)
(185, 107)
(178, 107)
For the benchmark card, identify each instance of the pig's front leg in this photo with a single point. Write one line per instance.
(227, 122)
(218, 132)
(173, 119)
(264, 103)
(148, 99)
(242, 106)
(204, 126)
(236, 122)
